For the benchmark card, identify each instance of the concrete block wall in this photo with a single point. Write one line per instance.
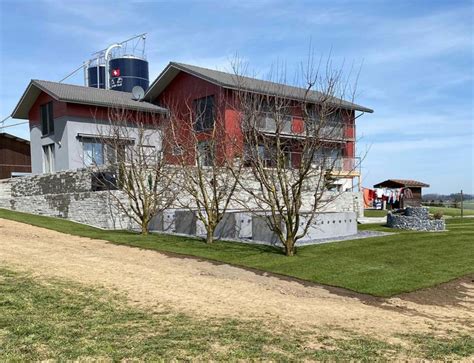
(323, 226)
(255, 228)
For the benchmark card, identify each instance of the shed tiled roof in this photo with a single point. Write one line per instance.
(81, 95)
(229, 80)
(403, 183)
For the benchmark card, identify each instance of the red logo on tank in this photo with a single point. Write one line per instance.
(116, 72)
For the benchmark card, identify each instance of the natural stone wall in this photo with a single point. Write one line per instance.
(97, 209)
(5, 193)
(416, 219)
(68, 194)
(56, 183)
(331, 201)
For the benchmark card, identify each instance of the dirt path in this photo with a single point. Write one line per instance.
(202, 288)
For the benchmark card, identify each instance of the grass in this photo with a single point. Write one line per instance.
(56, 319)
(451, 212)
(374, 213)
(379, 266)
(66, 321)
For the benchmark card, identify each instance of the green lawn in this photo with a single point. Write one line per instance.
(59, 320)
(381, 266)
(375, 213)
(452, 212)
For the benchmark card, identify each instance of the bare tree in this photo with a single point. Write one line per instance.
(292, 141)
(201, 149)
(126, 155)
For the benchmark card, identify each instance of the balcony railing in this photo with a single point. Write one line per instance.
(332, 164)
(296, 127)
(345, 164)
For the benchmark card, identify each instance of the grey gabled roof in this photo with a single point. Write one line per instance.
(232, 81)
(81, 95)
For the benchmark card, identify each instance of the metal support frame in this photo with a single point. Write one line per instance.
(106, 57)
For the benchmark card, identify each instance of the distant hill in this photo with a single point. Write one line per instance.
(447, 197)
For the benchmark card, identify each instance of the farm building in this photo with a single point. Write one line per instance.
(15, 158)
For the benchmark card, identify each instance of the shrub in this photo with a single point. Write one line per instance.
(438, 215)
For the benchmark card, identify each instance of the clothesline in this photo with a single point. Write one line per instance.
(379, 197)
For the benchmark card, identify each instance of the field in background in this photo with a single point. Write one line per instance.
(452, 212)
(447, 211)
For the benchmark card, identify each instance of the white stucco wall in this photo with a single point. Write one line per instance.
(68, 147)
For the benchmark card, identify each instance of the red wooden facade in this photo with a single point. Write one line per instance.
(185, 88)
(14, 155)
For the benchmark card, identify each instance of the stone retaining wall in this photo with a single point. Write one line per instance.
(68, 194)
(415, 219)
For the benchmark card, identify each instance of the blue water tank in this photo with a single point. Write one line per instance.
(127, 72)
(92, 76)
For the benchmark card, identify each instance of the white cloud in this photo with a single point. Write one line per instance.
(403, 39)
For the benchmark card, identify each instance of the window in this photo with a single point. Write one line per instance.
(47, 119)
(288, 155)
(103, 181)
(204, 118)
(48, 158)
(93, 153)
(328, 158)
(205, 155)
(149, 154)
(267, 155)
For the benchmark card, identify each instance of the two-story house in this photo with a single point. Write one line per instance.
(207, 97)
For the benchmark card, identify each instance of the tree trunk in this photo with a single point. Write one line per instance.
(289, 247)
(144, 228)
(210, 235)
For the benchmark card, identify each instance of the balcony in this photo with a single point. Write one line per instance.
(295, 127)
(336, 166)
(343, 166)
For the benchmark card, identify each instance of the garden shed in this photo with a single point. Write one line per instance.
(412, 199)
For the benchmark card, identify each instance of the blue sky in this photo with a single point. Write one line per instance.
(417, 62)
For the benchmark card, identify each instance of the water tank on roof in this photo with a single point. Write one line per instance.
(127, 72)
(93, 76)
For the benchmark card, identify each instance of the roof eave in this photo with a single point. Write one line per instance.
(18, 113)
(356, 108)
(98, 104)
(21, 110)
(180, 68)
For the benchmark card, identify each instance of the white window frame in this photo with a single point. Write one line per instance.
(85, 158)
(48, 158)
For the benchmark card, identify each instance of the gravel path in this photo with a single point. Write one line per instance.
(202, 288)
